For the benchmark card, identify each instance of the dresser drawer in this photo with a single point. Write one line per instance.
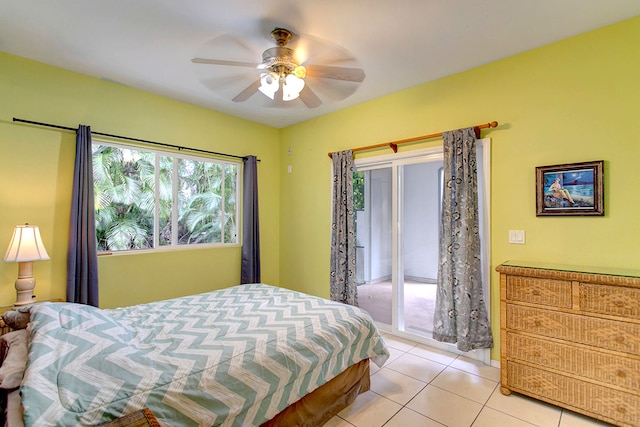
(612, 300)
(554, 293)
(596, 400)
(593, 364)
(603, 333)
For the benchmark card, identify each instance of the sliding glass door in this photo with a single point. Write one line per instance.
(374, 262)
(398, 200)
(419, 195)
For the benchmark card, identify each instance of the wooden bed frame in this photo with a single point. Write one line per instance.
(314, 409)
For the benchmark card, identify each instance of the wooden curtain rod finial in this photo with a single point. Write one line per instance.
(476, 129)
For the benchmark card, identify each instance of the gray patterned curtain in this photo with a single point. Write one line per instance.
(250, 268)
(82, 257)
(460, 314)
(343, 235)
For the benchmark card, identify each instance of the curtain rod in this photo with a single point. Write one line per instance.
(394, 144)
(177, 147)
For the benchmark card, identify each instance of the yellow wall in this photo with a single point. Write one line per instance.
(572, 101)
(36, 166)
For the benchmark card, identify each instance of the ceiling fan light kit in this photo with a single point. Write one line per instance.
(281, 68)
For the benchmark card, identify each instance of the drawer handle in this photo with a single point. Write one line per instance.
(621, 409)
(536, 353)
(535, 293)
(621, 373)
(619, 303)
(537, 384)
(537, 323)
(619, 339)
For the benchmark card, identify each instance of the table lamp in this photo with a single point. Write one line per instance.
(25, 247)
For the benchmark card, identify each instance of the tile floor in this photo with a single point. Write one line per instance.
(421, 386)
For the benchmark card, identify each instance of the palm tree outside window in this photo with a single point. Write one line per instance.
(146, 199)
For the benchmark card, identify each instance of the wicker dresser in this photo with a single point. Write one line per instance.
(571, 336)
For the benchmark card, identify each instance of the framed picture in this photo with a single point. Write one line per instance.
(572, 189)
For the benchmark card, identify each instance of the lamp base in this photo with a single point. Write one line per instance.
(24, 298)
(25, 283)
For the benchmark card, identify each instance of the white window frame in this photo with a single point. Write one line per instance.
(174, 215)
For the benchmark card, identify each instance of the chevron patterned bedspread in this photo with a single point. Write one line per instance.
(234, 357)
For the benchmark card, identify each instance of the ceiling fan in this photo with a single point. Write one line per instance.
(281, 74)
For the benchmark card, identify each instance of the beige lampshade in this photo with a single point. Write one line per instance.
(26, 245)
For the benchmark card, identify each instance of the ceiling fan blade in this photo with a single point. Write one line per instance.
(336, 73)
(223, 62)
(309, 97)
(246, 94)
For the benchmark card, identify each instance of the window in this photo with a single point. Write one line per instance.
(148, 199)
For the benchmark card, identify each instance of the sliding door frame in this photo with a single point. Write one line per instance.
(395, 161)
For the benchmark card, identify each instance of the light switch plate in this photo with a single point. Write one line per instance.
(516, 237)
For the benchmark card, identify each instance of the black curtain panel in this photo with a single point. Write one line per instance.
(82, 258)
(250, 272)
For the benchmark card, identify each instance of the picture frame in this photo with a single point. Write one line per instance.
(571, 189)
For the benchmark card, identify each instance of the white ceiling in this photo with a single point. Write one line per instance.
(148, 44)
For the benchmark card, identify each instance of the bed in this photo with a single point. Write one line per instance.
(249, 355)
